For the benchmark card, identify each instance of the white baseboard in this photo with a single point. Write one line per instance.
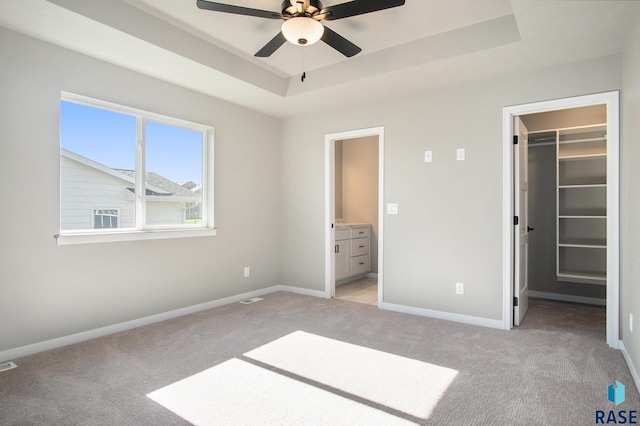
(465, 319)
(568, 298)
(303, 291)
(128, 325)
(371, 275)
(632, 368)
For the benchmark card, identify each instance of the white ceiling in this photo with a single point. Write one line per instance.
(421, 45)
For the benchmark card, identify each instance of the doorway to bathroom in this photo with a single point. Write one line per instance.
(353, 210)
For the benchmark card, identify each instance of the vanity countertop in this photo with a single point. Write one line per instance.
(351, 225)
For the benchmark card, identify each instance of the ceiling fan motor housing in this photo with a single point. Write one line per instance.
(308, 8)
(302, 26)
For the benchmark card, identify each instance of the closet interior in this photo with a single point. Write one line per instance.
(568, 203)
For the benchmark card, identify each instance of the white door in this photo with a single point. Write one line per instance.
(521, 243)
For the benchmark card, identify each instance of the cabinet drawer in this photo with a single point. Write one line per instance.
(359, 246)
(343, 234)
(359, 265)
(359, 232)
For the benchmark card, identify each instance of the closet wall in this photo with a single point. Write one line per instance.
(542, 203)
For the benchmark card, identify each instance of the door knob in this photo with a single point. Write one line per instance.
(529, 229)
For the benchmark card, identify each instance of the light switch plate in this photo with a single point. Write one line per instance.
(460, 154)
(428, 156)
(459, 288)
(392, 208)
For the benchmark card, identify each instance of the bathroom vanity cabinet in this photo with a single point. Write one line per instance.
(352, 251)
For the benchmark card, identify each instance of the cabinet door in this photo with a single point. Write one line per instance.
(342, 259)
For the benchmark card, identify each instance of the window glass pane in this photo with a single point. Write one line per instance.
(173, 174)
(97, 159)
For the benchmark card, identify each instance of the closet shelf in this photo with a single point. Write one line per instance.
(583, 277)
(593, 246)
(598, 139)
(581, 247)
(581, 156)
(583, 185)
(581, 217)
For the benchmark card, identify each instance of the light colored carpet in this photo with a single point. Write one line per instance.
(238, 393)
(553, 370)
(409, 386)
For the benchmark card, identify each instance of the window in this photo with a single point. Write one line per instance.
(154, 173)
(105, 218)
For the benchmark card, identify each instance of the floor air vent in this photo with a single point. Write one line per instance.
(7, 366)
(252, 300)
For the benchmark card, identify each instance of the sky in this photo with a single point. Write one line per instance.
(109, 138)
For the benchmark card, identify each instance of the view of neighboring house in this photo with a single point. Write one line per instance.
(94, 196)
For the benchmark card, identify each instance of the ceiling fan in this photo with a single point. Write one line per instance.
(302, 18)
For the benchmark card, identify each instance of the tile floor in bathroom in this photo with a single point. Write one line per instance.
(364, 290)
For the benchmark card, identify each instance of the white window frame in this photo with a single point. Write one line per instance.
(94, 212)
(142, 231)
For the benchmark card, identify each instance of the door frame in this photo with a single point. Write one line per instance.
(612, 102)
(330, 199)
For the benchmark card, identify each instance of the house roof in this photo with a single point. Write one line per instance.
(169, 187)
(157, 185)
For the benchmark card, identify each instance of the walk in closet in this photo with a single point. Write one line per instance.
(568, 204)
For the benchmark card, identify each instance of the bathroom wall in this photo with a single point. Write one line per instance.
(360, 187)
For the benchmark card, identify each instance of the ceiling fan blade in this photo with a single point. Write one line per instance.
(339, 43)
(272, 46)
(358, 7)
(238, 10)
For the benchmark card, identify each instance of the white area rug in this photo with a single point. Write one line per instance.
(404, 384)
(238, 393)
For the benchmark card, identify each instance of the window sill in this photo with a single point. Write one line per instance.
(90, 238)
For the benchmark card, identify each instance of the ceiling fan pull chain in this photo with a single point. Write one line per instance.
(304, 74)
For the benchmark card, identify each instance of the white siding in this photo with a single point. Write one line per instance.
(164, 213)
(84, 188)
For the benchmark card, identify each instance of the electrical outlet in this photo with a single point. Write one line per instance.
(631, 323)
(247, 272)
(459, 288)
(428, 156)
(460, 154)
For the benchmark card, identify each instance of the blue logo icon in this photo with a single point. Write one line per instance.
(616, 393)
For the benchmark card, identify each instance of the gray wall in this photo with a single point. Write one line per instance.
(449, 226)
(629, 199)
(49, 291)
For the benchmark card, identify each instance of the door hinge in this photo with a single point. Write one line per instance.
(515, 301)
(515, 139)
(516, 221)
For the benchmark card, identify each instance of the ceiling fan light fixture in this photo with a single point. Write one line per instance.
(302, 31)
